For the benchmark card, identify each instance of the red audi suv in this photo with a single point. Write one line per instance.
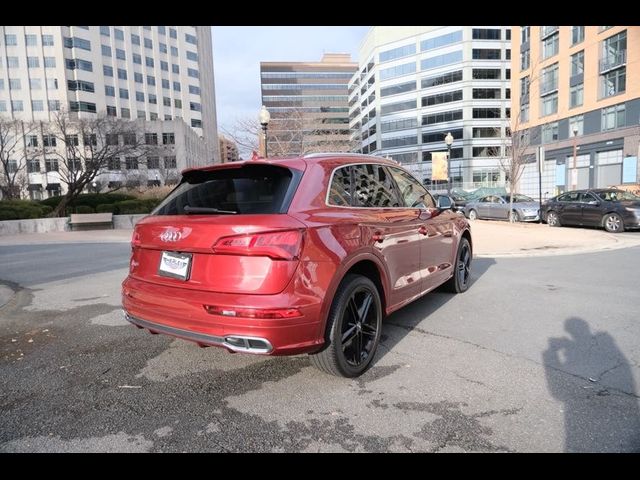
(290, 256)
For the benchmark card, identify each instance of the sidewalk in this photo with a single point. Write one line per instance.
(490, 239)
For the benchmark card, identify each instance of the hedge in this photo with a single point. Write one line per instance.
(90, 199)
(20, 209)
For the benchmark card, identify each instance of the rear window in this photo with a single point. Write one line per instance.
(250, 189)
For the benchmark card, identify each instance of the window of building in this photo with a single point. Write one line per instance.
(120, 55)
(550, 45)
(76, 42)
(151, 138)
(549, 79)
(486, 74)
(125, 112)
(162, 30)
(170, 162)
(131, 163)
(163, 47)
(486, 113)
(140, 96)
(166, 101)
(77, 64)
(33, 166)
(176, 86)
(51, 164)
(153, 99)
(194, 90)
(82, 107)
(486, 151)
(13, 62)
(486, 93)
(135, 39)
(550, 132)
(165, 83)
(107, 71)
(47, 40)
(17, 106)
(577, 63)
(177, 103)
(441, 60)
(173, 33)
(113, 163)
(14, 84)
(137, 59)
(148, 43)
(54, 105)
(111, 111)
(549, 104)
(577, 35)
(168, 139)
(10, 40)
(397, 107)
(525, 34)
(486, 54)
(34, 84)
(106, 50)
(124, 93)
(576, 125)
(138, 77)
(31, 40)
(613, 117)
(486, 34)
(174, 51)
(398, 52)
(104, 30)
(486, 132)
(151, 80)
(442, 117)
(175, 68)
(109, 91)
(438, 137)
(153, 115)
(614, 82)
(190, 39)
(164, 66)
(119, 34)
(196, 123)
(122, 74)
(576, 94)
(142, 115)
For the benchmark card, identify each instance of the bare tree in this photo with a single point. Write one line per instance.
(89, 145)
(517, 141)
(291, 133)
(13, 156)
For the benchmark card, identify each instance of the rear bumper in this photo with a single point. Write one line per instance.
(181, 313)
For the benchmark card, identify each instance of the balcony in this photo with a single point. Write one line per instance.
(613, 61)
(545, 31)
(548, 87)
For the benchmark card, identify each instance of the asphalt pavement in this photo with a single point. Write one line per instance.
(541, 354)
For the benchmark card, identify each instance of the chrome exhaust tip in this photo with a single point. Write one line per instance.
(247, 344)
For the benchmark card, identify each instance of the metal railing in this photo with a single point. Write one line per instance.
(612, 61)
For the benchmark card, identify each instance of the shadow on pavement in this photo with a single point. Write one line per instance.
(411, 316)
(606, 404)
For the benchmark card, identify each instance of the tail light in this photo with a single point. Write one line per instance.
(280, 245)
(135, 239)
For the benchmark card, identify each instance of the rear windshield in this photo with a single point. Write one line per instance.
(250, 189)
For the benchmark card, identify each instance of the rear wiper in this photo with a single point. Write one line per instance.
(189, 209)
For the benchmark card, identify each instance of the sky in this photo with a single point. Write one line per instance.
(238, 51)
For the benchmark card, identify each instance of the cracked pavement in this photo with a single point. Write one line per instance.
(541, 354)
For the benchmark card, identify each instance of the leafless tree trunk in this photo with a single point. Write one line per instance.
(13, 157)
(89, 144)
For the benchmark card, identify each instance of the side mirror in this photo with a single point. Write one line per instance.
(444, 203)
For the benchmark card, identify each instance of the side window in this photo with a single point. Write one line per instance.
(486, 200)
(340, 191)
(586, 198)
(569, 197)
(413, 194)
(373, 187)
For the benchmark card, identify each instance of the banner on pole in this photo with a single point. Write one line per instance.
(439, 170)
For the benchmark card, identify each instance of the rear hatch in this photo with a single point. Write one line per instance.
(223, 230)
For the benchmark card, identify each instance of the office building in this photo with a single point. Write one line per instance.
(160, 76)
(416, 84)
(307, 102)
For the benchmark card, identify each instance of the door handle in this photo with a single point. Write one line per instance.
(378, 237)
(423, 230)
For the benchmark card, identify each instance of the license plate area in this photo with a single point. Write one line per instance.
(175, 265)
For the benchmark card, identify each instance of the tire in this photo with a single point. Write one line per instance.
(552, 219)
(349, 358)
(514, 217)
(473, 215)
(459, 283)
(612, 223)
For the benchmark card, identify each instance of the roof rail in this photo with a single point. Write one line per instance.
(342, 154)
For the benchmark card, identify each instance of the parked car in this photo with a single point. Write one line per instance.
(614, 210)
(290, 256)
(523, 209)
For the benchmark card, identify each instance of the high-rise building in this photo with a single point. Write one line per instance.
(417, 84)
(577, 95)
(308, 104)
(228, 149)
(161, 76)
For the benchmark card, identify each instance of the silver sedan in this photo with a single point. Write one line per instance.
(524, 209)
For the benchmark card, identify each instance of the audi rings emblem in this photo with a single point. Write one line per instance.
(170, 236)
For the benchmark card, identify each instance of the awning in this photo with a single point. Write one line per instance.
(53, 186)
(35, 187)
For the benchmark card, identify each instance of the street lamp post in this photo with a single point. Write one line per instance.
(449, 141)
(264, 121)
(574, 172)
